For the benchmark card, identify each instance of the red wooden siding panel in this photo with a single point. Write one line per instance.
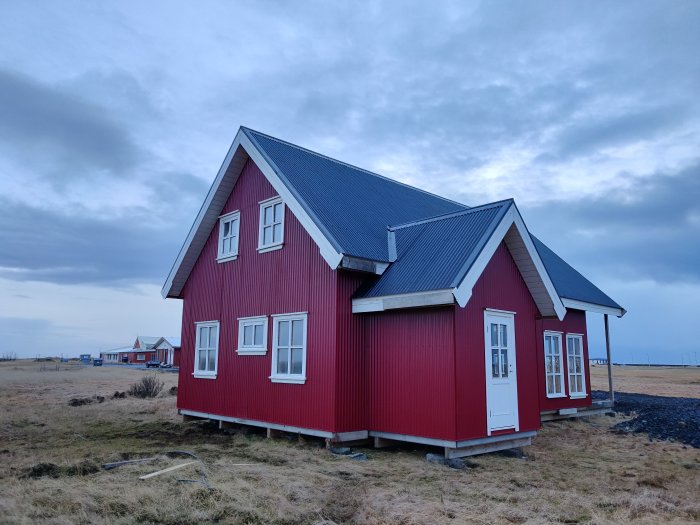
(574, 323)
(293, 279)
(410, 366)
(500, 287)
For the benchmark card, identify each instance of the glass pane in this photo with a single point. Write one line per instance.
(267, 235)
(226, 246)
(577, 345)
(550, 385)
(227, 229)
(548, 361)
(282, 361)
(557, 384)
(577, 364)
(268, 215)
(297, 333)
(504, 335)
(557, 364)
(494, 361)
(258, 335)
(494, 334)
(203, 337)
(278, 212)
(571, 366)
(211, 364)
(504, 362)
(277, 233)
(579, 384)
(297, 355)
(572, 384)
(248, 335)
(202, 365)
(283, 333)
(213, 337)
(547, 345)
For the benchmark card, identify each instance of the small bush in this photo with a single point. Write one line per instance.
(149, 386)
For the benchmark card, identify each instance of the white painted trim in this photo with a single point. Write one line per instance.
(330, 254)
(590, 307)
(206, 373)
(463, 291)
(256, 423)
(271, 248)
(409, 300)
(578, 396)
(451, 444)
(504, 313)
(584, 393)
(201, 375)
(233, 255)
(253, 349)
(275, 377)
(270, 203)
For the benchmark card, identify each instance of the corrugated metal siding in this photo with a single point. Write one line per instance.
(574, 323)
(354, 205)
(410, 368)
(293, 279)
(500, 287)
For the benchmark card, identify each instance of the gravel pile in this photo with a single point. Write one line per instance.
(665, 418)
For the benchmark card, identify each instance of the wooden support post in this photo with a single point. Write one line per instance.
(273, 433)
(383, 443)
(607, 348)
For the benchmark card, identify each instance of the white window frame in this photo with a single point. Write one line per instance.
(570, 358)
(233, 254)
(206, 374)
(253, 349)
(140, 357)
(275, 377)
(559, 336)
(270, 203)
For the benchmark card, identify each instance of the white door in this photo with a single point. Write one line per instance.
(501, 377)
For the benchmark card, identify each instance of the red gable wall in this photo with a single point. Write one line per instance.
(293, 279)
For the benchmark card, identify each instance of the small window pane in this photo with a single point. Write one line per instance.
(248, 335)
(557, 384)
(577, 362)
(547, 344)
(549, 364)
(572, 384)
(277, 233)
(297, 354)
(297, 333)
(504, 335)
(494, 362)
(494, 334)
(213, 336)
(504, 362)
(267, 235)
(203, 337)
(227, 228)
(211, 364)
(267, 215)
(579, 384)
(202, 360)
(278, 212)
(550, 384)
(282, 361)
(258, 335)
(557, 364)
(283, 333)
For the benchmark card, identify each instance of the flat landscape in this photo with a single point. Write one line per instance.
(579, 471)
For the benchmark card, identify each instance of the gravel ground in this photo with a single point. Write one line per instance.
(664, 418)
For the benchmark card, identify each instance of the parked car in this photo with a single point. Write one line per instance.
(97, 361)
(165, 365)
(153, 363)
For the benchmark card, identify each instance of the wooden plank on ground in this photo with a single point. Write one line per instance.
(169, 469)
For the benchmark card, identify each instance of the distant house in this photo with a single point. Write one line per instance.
(598, 361)
(116, 355)
(143, 349)
(323, 299)
(168, 350)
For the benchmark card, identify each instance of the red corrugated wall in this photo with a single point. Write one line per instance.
(410, 370)
(293, 279)
(573, 323)
(500, 287)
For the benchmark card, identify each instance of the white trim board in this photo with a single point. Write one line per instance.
(590, 307)
(238, 154)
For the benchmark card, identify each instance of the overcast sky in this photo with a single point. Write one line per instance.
(114, 119)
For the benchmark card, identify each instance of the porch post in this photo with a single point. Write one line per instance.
(607, 348)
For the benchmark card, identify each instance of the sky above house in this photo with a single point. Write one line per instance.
(114, 119)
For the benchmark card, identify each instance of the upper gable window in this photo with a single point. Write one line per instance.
(229, 228)
(271, 233)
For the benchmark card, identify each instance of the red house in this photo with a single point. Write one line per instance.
(323, 299)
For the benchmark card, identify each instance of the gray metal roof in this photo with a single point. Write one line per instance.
(436, 254)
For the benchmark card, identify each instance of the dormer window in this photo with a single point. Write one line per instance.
(271, 234)
(229, 227)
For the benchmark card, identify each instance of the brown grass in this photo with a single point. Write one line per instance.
(658, 381)
(576, 472)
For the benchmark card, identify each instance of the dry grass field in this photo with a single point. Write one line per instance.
(654, 380)
(576, 472)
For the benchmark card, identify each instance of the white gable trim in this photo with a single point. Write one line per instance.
(590, 307)
(512, 229)
(240, 151)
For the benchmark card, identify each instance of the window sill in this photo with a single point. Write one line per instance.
(270, 248)
(227, 258)
(294, 380)
(578, 396)
(555, 396)
(199, 375)
(255, 351)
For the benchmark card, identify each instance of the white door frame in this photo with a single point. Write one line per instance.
(509, 320)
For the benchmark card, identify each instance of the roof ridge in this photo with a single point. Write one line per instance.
(445, 216)
(321, 155)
